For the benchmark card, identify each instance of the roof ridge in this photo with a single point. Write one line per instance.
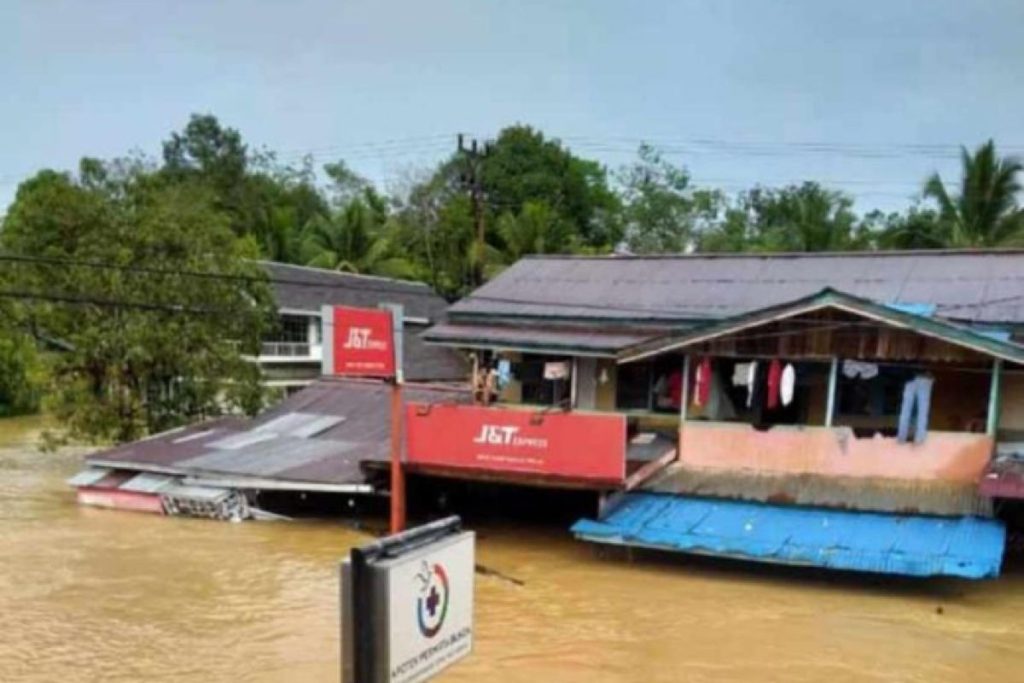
(327, 271)
(989, 251)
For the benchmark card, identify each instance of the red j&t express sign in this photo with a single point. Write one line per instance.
(583, 446)
(363, 343)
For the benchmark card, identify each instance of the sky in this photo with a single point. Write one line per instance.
(867, 97)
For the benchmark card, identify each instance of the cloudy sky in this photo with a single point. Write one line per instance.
(868, 96)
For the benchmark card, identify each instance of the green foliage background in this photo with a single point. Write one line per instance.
(213, 204)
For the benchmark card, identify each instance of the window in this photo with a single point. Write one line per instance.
(291, 328)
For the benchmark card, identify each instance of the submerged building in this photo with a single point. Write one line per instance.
(291, 354)
(856, 411)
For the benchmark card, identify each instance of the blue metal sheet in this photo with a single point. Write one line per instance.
(912, 545)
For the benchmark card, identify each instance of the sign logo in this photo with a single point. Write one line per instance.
(496, 434)
(361, 338)
(432, 603)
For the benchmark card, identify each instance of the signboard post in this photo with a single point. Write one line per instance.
(407, 604)
(367, 342)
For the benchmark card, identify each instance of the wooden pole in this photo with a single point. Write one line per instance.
(833, 380)
(992, 421)
(685, 390)
(397, 471)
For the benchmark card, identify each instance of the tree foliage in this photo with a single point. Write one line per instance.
(143, 346)
(985, 212)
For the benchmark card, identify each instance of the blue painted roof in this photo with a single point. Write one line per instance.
(969, 547)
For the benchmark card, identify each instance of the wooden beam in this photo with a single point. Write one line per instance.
(833, 377)
(992, 423)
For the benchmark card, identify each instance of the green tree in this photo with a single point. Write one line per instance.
(538, 229)
(796, 218)
(984, 213)
(916, 228)
(21, 373)
(661, 211)
(354, 240)
(521, 165)
(147, 347)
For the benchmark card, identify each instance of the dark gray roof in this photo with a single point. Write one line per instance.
(307, 289)
(975, 286)
(283, 443)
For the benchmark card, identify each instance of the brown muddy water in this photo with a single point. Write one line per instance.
(94, 595)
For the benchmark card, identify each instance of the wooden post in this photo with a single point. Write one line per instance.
(397, 470)
(992, 421)
(685, 391)
(833, 379)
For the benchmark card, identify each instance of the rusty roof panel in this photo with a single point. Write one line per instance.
(355, 415)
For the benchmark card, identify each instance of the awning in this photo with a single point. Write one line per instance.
(911, 545)
(577, 341)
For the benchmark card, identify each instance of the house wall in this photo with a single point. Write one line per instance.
(944, 456)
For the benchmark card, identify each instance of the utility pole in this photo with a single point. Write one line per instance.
(472, 181)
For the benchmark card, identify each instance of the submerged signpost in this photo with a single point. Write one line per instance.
(407, 604)
(367, 342)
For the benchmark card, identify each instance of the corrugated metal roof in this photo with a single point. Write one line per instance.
(528, 338)
(975, 286)
(967, 547)
(307, 289)
(352, 419)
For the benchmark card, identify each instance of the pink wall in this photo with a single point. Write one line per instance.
(954, 457)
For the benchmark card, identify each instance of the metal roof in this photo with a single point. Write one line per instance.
(318, 436)
(976, 286)
(302, 288)
(911, 545)
(952, 333)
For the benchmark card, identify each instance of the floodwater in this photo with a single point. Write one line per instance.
(94, 595)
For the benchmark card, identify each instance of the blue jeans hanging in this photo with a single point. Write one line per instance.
(917, 398)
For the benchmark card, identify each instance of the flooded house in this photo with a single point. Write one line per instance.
(857, 411)
(291, 353)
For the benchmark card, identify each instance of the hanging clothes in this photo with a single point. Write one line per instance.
(854, 369)
(675, 389)
(719, 405)
(741, 374)
(504, 373)
(787, 384)
(702, 383)
(917, 396)
(751, 383)
(774, 383)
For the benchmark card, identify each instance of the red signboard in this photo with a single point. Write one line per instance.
(588, 447)
(364, 343)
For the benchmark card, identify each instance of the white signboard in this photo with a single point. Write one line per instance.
(429, 608)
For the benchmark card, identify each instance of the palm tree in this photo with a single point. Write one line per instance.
(985, 213)
(353, 241)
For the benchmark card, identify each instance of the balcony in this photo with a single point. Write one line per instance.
(284, 351)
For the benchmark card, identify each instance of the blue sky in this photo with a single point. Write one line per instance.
(868, 96)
